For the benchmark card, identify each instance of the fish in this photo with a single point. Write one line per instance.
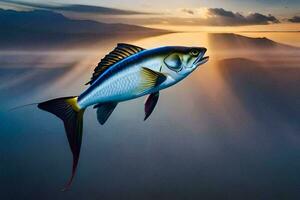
(126, 73)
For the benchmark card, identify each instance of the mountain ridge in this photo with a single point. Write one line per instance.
(41, 28)
(232, 40)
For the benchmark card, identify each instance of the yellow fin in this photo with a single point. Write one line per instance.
(73, 103)
(150, 79)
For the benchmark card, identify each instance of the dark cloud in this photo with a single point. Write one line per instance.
(224, 17)
(295, 19)
(188, 11)
(94, 10)
(222, 12)
(215, 17)
(78, 8)
(258, 18)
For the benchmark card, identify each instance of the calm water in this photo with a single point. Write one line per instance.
(229, 131)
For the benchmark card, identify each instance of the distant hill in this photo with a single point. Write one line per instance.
(233, 41)
(41, 28)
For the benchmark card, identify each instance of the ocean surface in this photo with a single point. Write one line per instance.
(229, 131)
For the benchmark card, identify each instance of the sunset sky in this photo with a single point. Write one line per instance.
(190, 15)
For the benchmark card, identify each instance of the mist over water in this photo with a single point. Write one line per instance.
(229, 131)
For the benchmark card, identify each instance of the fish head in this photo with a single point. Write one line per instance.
(181, 61)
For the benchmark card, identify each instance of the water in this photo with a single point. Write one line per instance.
(230, 130)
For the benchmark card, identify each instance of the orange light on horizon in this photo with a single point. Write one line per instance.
(271, 27)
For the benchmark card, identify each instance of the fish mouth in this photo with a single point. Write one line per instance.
(201, 59)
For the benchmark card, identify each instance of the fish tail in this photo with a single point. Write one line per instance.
(67, 109)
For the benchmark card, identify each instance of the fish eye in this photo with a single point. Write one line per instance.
(194, 52)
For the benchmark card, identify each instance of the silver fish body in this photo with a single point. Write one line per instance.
(126, 73)
(122, 84)
(122, 80)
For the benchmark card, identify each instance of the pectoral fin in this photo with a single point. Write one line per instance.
(104, 111)
(150, 79)
(150, 104)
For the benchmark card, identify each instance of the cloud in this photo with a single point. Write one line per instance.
(207, 17)
(188, 11)
(192, 17)
(222, 12)
(213, 17)
(224, 17)
(93, 10)
(295, 19)
(78, 8)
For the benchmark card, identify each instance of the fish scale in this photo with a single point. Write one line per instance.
(115, 88)
(126, 73)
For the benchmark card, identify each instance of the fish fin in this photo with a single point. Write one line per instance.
(104, 111)
(150, 79)
(150, 104)
(68, 111)
(121, 52)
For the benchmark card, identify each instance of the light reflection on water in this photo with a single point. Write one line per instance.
(214, 135)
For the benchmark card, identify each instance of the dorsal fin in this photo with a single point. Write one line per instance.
(121, 52)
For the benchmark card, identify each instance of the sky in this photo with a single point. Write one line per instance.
(281, 7)
(278, 6)
(177, 14)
